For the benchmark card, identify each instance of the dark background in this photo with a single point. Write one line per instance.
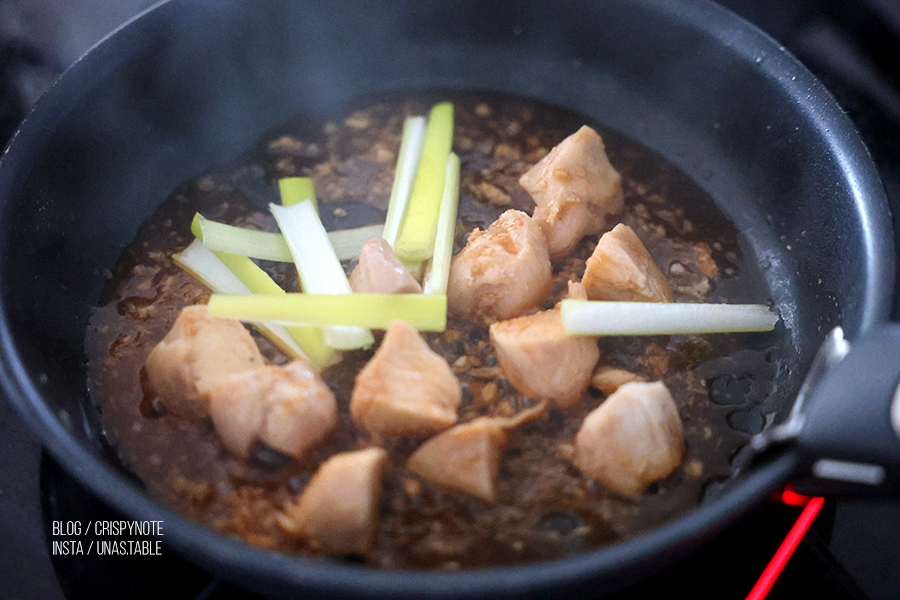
(854, 48)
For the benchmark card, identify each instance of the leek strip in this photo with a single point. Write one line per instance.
(439, 272)
(425, 312)
(311, 339)
(415, 269)
(404, 175)
(348, 242)
(204, 266)
(256, 280)
(208, 269)
(263, 245)
(297, 189)
(318, 266)
(659, 318)
(220, 237)
(415, 241)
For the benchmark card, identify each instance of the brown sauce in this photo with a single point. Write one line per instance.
(546, 508)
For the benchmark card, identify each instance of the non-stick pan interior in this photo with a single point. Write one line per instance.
(193, 84)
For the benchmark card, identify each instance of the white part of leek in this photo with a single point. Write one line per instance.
(204, 266)
(584, 317)
(439, 270)
(404, 175)
(318, 266)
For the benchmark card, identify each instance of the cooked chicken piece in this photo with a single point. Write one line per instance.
(337, 511)
(194, 356)
(541, 360)
(380, 271)
(631, 440)
(288, 408)
(238, 422)
(608, 379)
(406, 388)
(466, 458)
(575, 189)
(502, 272)
(575, 291)
(707, 264)
(621, 269)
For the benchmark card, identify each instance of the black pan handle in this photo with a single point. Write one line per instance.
(847, 429)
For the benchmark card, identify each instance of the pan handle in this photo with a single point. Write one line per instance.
(848, 430)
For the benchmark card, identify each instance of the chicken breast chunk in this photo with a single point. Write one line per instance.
(380, 271)
(541, 360)
(631, 440)
(575, 189)
(608, 379)
(195, 355)
(466, 458)
(502, 272)
(337, 511)
(621, 269)
(406, 388)
(288, 408)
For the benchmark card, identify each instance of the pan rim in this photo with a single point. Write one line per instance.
(694, 527)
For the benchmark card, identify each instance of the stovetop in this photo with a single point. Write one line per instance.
(853, 550)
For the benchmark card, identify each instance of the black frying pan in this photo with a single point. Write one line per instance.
(194, 83)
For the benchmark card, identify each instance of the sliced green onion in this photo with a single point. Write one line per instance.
(660, 318)
(425, 312)
(297, 189)
(221, 277)
(404, 175)
(415, 241)
(439, 272)
(318, 266)
(271, 246)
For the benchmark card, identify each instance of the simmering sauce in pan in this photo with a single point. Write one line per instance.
(546, 508)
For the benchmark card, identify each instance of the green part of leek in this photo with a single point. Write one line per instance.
(439, 272)
(256, 280)
(415, 242)
(585, 317)
(318, 266)
(297, 189)
(425, 312)
(224, 273)
(404, 176)
(311, 339)
(263, 245)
